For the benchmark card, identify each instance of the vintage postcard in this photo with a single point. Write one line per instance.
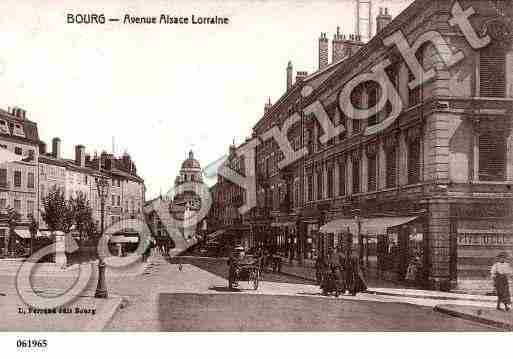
(255, 166)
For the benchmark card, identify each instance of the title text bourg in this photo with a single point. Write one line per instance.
(148, 20)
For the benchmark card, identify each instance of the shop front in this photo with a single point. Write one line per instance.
(478, 234)
(389, 246)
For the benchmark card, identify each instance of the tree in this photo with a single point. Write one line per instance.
(58, 213)
(13, 217)
(83, 214)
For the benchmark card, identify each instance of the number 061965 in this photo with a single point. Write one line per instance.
(31, 343)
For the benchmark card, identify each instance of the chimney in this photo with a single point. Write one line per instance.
(18, 112)
(301, 75)
(323, 51)
(353, 44)
(383, 19)
(80, 155)
(338, 48)
(268, 105)
(56, 147)
(289, 75)
(42, 147)
(106, 161)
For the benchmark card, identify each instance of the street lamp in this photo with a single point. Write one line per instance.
(102, 185)
(358, 220)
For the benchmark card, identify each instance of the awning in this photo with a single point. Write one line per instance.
(369, 226)
(23, 233)
(216, 234)
(283, 224)
(124, 239)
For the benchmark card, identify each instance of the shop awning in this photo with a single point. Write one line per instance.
(369, 226)
(283, 224)
(216, 234)
(23, 233)
(124, 239)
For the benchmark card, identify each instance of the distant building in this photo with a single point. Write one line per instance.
(79, 175)
(18, 180)
(182, 206)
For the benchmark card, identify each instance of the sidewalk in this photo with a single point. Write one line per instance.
(391, 288)
(487, 316)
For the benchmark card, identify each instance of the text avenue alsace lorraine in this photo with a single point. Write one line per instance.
(164, 19)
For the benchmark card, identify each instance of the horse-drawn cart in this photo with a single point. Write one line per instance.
(246, 269)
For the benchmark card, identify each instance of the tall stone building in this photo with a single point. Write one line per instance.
(434, 183)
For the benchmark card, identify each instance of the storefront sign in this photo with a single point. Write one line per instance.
(477, 237)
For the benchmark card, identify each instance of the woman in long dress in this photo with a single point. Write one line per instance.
(500, 272)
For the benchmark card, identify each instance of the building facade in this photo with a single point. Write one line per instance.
(182, 206)
(18, 180)
(224, 217)
(435, 183)
(79, 175)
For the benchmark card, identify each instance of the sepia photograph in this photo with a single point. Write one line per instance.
(251, 166)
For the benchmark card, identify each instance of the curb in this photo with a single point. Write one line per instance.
(100, 323)
(473, 318)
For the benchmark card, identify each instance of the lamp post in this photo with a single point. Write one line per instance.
(33, 227)
(358, 220)
(102, 185)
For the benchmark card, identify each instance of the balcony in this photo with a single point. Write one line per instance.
(5, 185)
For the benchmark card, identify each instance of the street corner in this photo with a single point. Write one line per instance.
(483, 315)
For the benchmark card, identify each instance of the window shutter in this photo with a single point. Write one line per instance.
(414, 161)
(356, 175)
(371, 183)
(492, 72)
(342, 179)
(492, 157)
(391, 163)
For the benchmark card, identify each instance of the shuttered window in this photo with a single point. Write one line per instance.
(391, 167)
(310, 188)
(492, 157)
(415, 94)
(342, 179)
(356, 175)
(320, 184)
(371, 173)
(373, 93)
(331, 181)
(414, 161)
(492, 72)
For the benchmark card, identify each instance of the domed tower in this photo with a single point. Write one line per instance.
(190, 171)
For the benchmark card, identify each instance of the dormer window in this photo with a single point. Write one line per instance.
(4, 128)
(18, 130)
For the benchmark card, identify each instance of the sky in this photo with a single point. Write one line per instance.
(159, 90)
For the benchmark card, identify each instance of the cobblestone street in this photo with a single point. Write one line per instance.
(197, 298)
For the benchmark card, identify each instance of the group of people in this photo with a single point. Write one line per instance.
(342, 268)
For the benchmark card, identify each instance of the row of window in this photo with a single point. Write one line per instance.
(391, 174)
(17, 206)
(17, 175)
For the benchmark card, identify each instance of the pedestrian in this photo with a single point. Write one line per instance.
(354, 279)
(500, 272)
(320, 268)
